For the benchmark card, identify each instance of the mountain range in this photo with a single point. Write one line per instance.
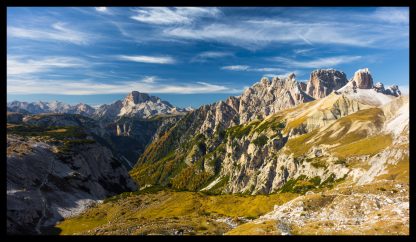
(318, 140)
(135, 104)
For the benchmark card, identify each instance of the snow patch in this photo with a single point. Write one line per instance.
(369, 97)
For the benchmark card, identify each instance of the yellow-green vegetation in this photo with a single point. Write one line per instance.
(302, 184)
(166, 211)
(242, 130)
(66, 137)
(367, 146)
(190, 179)
(264, 228)
(275, 123)
(299, 145)
(349, 142)
(294, 124)
(261, 140)
(398, 172)
(158, 172)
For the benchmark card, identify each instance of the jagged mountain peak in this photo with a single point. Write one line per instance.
(363, 79)
(136, 97)
(136, 104)
(323, 81)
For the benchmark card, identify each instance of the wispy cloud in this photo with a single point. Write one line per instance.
(88, 87)
(149, 79)
(257, 33)
(204, 56)
(392, 15)
(57, 32)
(249, 68)
(21, 65)
(326, 62)
(236, 68)
(177, 15)
(302, 51)
(148, 59)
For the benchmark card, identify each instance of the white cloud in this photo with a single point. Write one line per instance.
(148, 59)
(203, 56)
(58, 32)
(101, 9)
(266, 69)
(327, 62)
(86, 87)
(21, 65)
(177, 15)
(149, 79)
(236, 68)
(392, 15)
(249, 68)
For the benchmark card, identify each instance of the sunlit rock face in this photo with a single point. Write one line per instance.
(323, 81)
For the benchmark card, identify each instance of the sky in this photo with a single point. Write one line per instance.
(191, 56)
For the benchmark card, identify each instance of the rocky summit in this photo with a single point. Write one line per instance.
(323, 82)
(363, 79)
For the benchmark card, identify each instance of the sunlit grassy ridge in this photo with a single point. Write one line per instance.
(164, 211)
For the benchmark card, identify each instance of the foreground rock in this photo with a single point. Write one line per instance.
(54, 173)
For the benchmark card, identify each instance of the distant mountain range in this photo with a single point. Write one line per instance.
(136, 104)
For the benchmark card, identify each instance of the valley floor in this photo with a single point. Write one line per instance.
(378, 208)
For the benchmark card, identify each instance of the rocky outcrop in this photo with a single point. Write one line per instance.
(379, 87)
(393, 90)
(363, 79)
(268, 97)
(303, 86)
(48, 179)
(322, 82)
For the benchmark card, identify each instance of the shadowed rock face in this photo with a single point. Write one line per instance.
(45, 186)
(323, 82)
(57, 166)
(379, 87)
(363, 79)
(14, 117)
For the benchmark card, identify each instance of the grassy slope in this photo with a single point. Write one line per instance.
(164, 211)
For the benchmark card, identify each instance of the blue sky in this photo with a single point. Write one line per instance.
(193, 56)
